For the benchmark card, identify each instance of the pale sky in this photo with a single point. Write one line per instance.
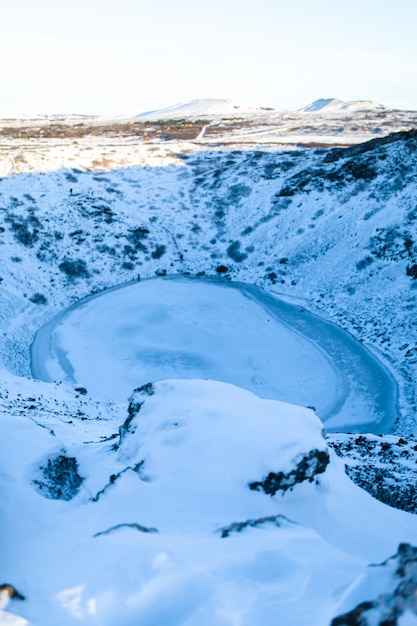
(130, 56)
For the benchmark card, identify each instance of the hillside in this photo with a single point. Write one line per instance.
(334, 228)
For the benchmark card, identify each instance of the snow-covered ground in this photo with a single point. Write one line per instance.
(166, 514)
(197, 502)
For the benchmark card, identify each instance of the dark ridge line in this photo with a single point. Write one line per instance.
(139, 527)
(237, 527)
(114, 477)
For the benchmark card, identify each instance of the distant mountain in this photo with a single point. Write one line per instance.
(332, 105)
(206, 107)
(212, 109)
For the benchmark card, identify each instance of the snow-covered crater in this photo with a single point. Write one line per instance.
(206, 328)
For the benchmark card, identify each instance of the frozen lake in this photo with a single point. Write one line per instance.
(174, 327)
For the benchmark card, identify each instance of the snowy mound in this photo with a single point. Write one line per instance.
(213, 437)
(203, 108)
(203, 506)
(334, 105)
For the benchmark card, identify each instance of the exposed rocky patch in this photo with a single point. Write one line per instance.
(59, 478)
(369, 146)
(237, 527)
(307, 468)
(115, 477)
(136, 401)
(134, 526)
(400, 601)
(386, 467)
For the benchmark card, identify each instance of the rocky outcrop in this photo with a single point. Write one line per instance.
(136, 400)
(307, 468)
(59, 478)
(237, 527)
(134, 526)
(388, 608)
(386, 466)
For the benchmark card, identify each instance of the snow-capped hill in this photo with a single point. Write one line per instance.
(334, 105)
(173, 428)
(203, 108)
(212, 108)
(321, 104)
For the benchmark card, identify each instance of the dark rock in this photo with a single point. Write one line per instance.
(237, 527)
(385, 468)
(310, 465)
(387, 608)
(136, 400)
(74, 268)
(38, 298)
(60, 479)
(355, 617)
(139, 527)
(113, 478)
(25, 229)
(158, 252)
(136, 236)
(233, 251)
(411, 270)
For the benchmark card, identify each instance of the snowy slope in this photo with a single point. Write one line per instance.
(335, 229)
